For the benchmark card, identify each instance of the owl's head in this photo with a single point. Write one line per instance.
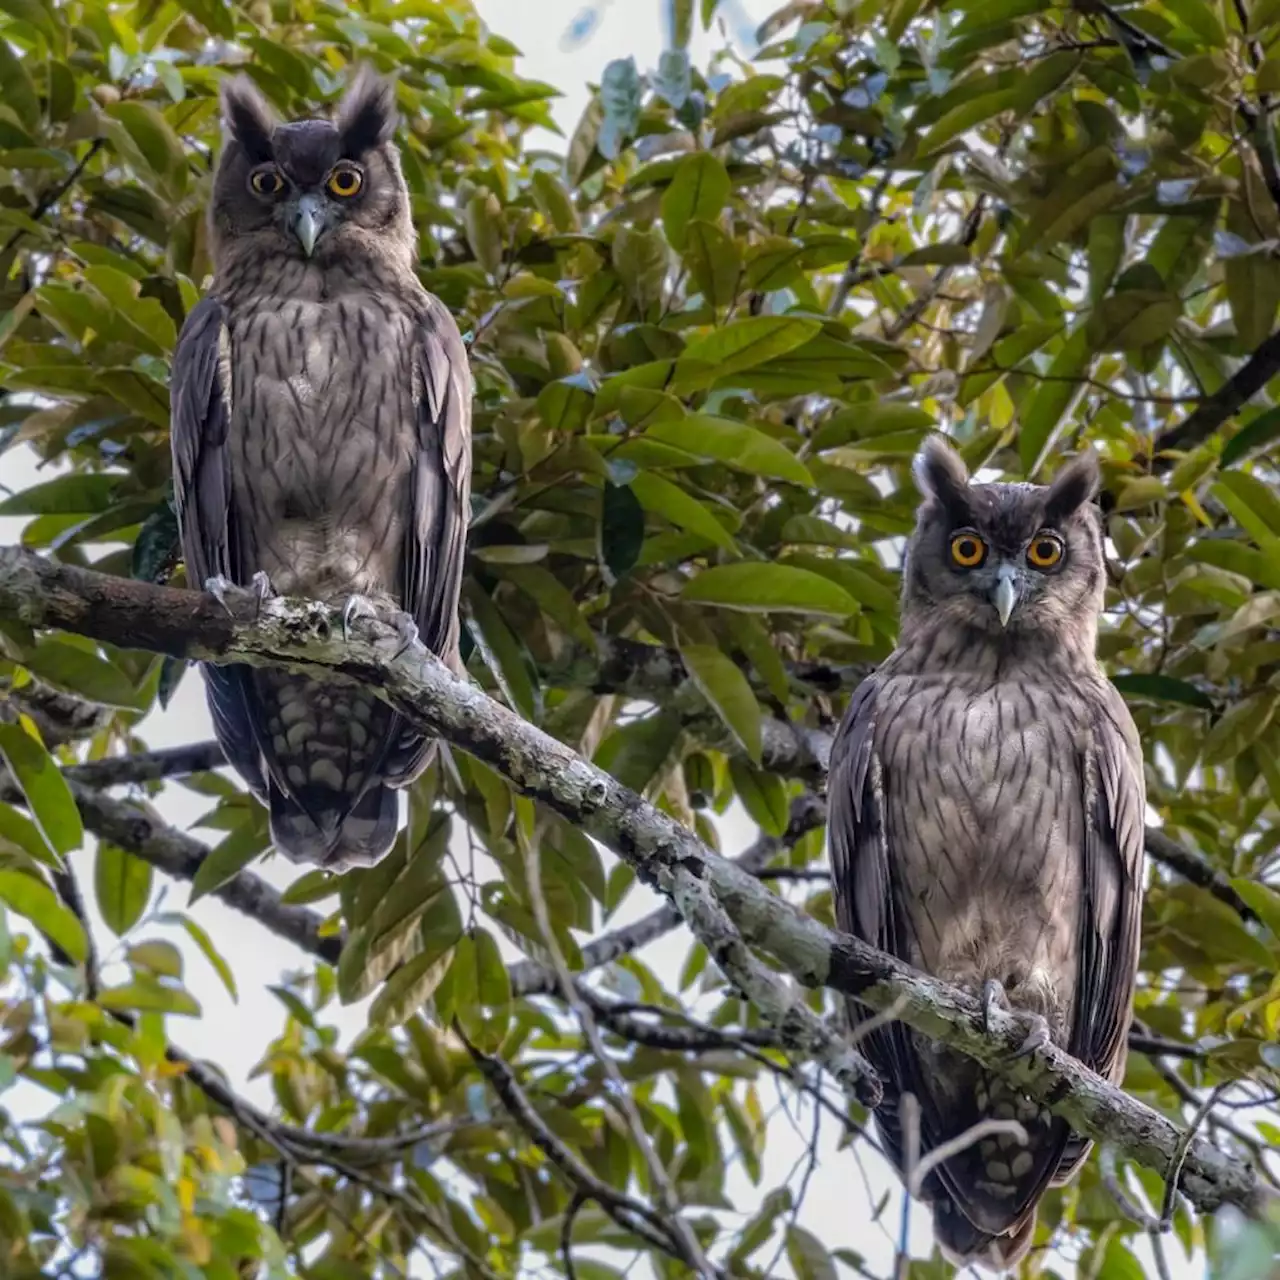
(1006, 558)
(311, 188)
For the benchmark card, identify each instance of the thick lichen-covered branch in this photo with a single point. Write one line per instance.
(707, 889)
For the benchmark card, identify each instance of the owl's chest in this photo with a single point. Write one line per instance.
(984, 755)
(332, 378)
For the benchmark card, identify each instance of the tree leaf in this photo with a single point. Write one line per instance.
(147, 994)
(698, 189)
(211, 953)
(681, 509)
(735, 443)
(79, 670)
(744, 344)
(621, 529)
(231, 855)
(727, 689)
(35, 901)
(763, 796)
(714, 260)
(46, 791)
(122, 886)
(501, 652)
(1053, 399)
(764, 587)
(1160, 688)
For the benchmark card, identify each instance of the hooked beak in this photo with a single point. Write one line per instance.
(1004, 595)
(308, 222)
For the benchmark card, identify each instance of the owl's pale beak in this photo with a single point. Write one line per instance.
(308, 222)
(1004, 595)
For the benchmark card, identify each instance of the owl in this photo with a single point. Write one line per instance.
(321, 425)
(986, 802)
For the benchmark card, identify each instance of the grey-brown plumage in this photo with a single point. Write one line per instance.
(986, 825)
(321, 444)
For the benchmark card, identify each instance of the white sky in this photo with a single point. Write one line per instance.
(837, 1207)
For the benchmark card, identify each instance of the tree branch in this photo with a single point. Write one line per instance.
(711, 893)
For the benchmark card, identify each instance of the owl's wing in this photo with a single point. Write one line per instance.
(200, 419)
(866, 897)
(1114, 799)
(440, 504)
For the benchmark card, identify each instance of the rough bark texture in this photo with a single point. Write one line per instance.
(727, 908)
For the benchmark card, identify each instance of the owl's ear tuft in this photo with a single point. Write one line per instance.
(248, 117)
(367, 113)
(940, 474)
(1073, 486)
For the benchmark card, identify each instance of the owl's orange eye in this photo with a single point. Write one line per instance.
(967, 549)
(345, 181)
(266, 182)
(1044, 551)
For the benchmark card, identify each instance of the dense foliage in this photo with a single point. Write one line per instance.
(707, 339)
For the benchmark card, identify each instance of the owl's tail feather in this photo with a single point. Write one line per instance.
(322, 827)
(963, 1244)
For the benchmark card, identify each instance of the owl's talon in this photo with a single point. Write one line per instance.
(993, 997)
(1037, 1038)
(218, 586)
(356, 607)
(407, 630)
(262, 588)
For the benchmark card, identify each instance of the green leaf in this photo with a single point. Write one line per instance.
(1255, 508)
(636, 751)
(1050, 403)
(743, 344)
(565, 404)
(641, 259)
(698, 189)
(46, 791)
(621, 529)
(77, 493)
(18, 830)
(714, 260)
(501, 651)
(1263, 899)
(1158, 688)
(79, 670)
(231, 855)
(764, 587)
(35, 901)
(482, 222)
(681, 509)
(1254, 437)
(122, 885)
(410, 987)
(155, 141)
(735, 443)
(763, 795)
(17, 90)
(147, 994)
(724, 686)
(211, 953)
(553, 598)
(808, 1255)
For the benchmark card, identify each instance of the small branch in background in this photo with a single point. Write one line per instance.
(631, 1215)
(1110, 1174)
(148, 766)
(55, 193)
(619, 1095)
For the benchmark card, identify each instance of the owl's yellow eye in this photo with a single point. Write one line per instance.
(267, 182)
(345, 181)
(1044, 551)
(967, 549)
